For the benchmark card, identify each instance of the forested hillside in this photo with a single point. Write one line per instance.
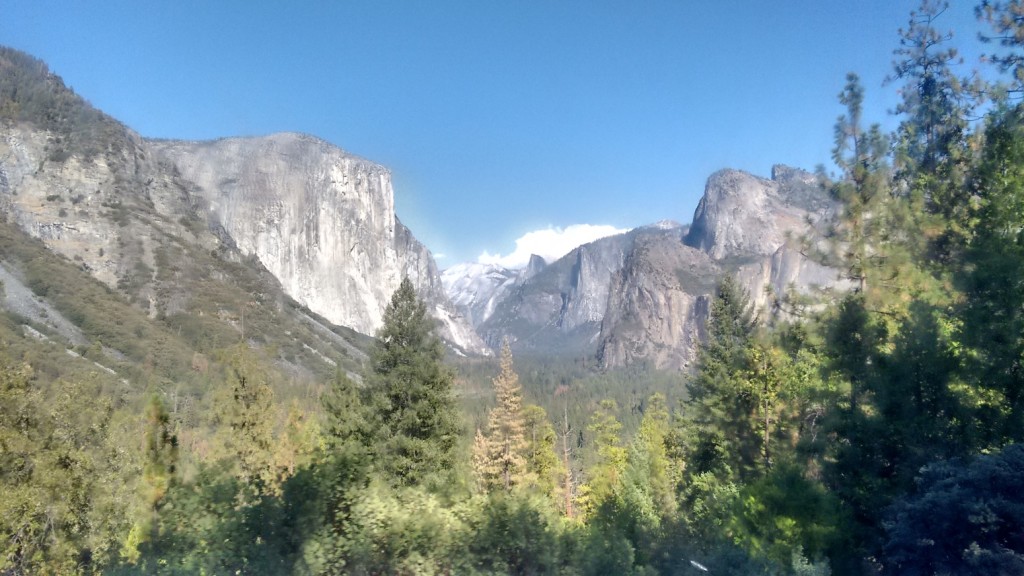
(876, 431)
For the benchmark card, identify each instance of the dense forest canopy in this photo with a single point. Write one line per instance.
(875, 431)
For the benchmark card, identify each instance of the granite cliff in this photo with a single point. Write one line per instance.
(138, 215)
(320, 220)
(644, 296)
(128, 209)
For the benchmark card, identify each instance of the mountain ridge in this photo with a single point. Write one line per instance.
(644, 295)
(322, 223)
(100, 194)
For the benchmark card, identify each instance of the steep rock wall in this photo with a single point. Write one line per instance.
(657, 306)
(321, 221)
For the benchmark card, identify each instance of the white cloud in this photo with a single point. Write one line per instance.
(551, 244)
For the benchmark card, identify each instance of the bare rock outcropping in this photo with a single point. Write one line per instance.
(320, 220)
(644, 296)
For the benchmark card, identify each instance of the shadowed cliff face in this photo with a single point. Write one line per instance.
(658, 304)
(558, 308)
(644, 296)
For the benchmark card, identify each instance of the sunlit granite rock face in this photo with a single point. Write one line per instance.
(645, 296)
(321, 221)
(741, 214)
(111, 211)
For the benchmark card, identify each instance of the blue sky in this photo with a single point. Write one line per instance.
(496, 118)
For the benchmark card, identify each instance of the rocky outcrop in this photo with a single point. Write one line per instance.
(560, 309)
(644, 296)
(658, 305)
(321, 221)
(110, 211)
(741, 214)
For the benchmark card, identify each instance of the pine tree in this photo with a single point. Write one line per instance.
(542, 464)
(720, 402)
(660, 474)
(345, 417)
(413, 414)
(485, 467)
(505, 442)
(932, 153)
(935, 102)
(248, 419)
(609, 455)
(993, 284)
(863, 188)
(1007, 22)
(161, 453)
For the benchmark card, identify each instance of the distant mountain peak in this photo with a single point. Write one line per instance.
(535, 265)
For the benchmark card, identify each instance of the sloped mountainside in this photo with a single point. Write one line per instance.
(244, 235)
(128, 210)
(322, 222)
(644, 296)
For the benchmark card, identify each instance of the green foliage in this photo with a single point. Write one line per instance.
(965, 518)
(403, 531)
(246, 419)
(409, 392)
(649, 466)
(863, 190)
(518, 533)
(785, 512)
(721, 403)
(1006, 18)
(161, 452)
(993, 318)
(542, 463)
(65, 507)
(932, 153)
(608, 455)
(346, 429)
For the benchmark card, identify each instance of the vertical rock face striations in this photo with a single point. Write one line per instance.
(557, 309)
(658, 304)
(644, 296)
(320, 220)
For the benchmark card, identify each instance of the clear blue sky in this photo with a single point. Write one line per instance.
(496, 118)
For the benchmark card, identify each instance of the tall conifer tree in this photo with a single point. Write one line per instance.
(720, 403)
(503, 461)
(862, 187)
(932, 156)
(248, 419)
(412, 407)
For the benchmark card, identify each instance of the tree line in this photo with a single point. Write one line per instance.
(872, 430)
